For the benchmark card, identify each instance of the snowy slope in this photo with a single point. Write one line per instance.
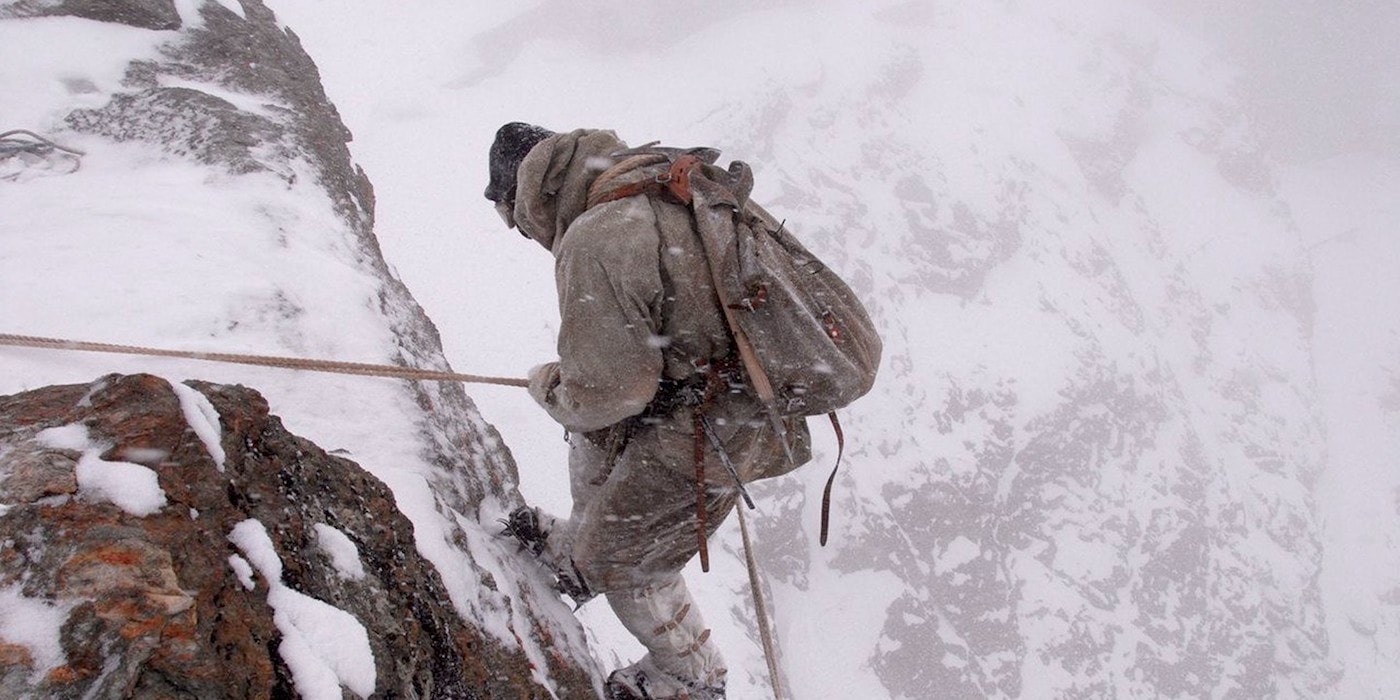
(1346, 206)
(181, 231)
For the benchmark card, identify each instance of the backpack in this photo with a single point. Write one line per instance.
(807, 344)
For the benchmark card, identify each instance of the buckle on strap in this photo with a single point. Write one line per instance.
(677, 178)
(674, 181)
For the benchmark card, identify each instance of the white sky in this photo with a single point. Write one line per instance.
(1322, 77)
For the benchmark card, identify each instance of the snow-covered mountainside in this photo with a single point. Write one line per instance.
(1095, 461)
(1098, 431)
(216, 208)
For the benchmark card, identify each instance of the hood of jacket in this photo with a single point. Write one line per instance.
(553, 181)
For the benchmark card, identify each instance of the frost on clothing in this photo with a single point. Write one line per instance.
(639, 317)
(629, 272)
(636, 302)
(608, 316)
(609, 288)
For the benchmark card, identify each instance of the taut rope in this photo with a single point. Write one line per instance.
(356, 368)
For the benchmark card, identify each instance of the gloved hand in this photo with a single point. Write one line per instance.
(543, 379)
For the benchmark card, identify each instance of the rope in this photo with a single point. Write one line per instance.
(765, 631)
(37, 146)
(355, 368)
(12, 145)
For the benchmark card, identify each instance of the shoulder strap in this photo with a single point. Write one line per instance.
(674, 182)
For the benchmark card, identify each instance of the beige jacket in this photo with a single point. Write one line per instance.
(636, 303)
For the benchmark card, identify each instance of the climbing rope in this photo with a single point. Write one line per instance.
(760, 607)
(23, 142)
(356, 368)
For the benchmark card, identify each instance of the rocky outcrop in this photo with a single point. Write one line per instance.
(185, 544)
(235, 90)
(146, 14)
(224, 86)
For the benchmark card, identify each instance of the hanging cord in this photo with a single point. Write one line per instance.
(760, 607)
(830, 480)
(355, 368)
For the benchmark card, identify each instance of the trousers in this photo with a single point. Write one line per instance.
(632, 528)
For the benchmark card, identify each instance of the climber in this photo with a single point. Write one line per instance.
(643, 349)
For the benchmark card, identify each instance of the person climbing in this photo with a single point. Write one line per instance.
(645, 358)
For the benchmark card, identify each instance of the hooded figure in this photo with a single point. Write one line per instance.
(643, 346)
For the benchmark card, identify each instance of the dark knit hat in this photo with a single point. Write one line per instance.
(513, 142)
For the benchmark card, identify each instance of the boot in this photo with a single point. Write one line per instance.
(523, 525)
(644, 681)
(681, 661)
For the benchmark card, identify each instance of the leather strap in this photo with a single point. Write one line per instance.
(826, 492)
(674, 183)
(698, 436)
(713, 383)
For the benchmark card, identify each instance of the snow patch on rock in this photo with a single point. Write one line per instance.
(203, 419)
(65, 437)
(325, 647)
(243, 570)
(35, 625)
(131, 487)
(345, 556)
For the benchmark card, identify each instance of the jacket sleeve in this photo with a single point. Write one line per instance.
(610, 358)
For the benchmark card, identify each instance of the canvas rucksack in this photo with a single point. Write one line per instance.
(807, 344)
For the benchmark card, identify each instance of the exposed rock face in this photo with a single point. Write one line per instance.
(165, 605)
(146, 14)
(287, 123)
(224, 85)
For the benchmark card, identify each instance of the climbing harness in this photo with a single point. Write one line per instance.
(356, 368)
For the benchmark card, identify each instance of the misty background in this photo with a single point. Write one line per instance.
(1312, 99)
(1320, 79)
